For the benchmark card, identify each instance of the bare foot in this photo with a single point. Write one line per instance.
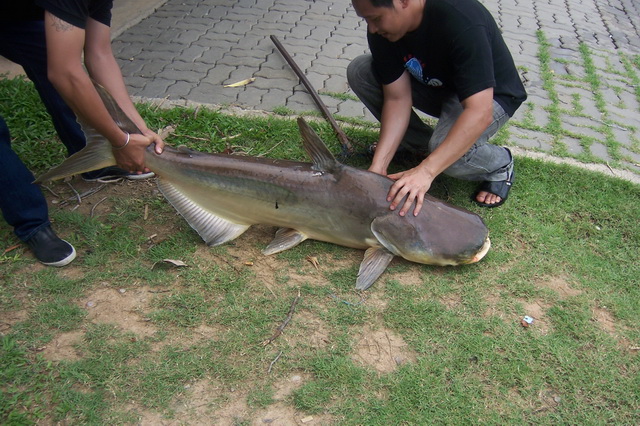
(487, 198)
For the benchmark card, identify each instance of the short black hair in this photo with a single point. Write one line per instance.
(381, 3)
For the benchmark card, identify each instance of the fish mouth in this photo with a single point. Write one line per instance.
(483, 251)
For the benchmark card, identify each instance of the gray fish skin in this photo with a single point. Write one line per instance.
(221, 196)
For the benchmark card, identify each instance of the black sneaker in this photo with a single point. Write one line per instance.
(113, 174)
(50, 249)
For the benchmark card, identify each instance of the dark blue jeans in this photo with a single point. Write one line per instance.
(22, 203)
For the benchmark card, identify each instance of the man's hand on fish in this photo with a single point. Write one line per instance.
(414, 184)
(131, 156)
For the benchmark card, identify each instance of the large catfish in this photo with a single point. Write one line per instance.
(221, 196)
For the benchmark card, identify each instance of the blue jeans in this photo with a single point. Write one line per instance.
(483, 161)
(22, 203)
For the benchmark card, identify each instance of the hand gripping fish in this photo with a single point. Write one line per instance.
(221, 196)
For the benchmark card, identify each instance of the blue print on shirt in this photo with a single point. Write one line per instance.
(414, 67)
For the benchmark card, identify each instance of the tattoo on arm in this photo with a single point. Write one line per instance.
(60, 25)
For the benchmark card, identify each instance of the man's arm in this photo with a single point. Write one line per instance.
(104, 69)
(414, 183)
(65, 45)
(396, 111)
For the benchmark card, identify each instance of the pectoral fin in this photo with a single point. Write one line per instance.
(392, 232)
(213, 229)
(376, 260)
(285, 239)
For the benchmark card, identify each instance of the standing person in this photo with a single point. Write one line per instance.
(78, 36)
(22, 203)
(22, 40)
(448, 59)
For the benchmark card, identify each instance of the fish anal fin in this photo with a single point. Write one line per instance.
(376, 260)
(213, 229)
(285, 239)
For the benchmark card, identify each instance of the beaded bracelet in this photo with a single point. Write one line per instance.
(125, 144)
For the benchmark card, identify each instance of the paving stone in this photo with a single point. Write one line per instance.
(135, 83)
(538, 141)
(268, 83)
(218, 74)
(336, 84)
(274, 98)
(622, 136)
(208, 93)
(600, 151)
(181, 75)
(131, 67)
(180, 89)
(623, 115)
(355, 109)
(573, 146)
(582, 126)
(633, 156)
(156, 88)
(249, 95)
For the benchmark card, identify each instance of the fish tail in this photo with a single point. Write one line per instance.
(97, 154)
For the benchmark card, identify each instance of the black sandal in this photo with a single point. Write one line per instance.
(500, 188)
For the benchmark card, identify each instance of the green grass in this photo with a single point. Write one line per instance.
(565, 250)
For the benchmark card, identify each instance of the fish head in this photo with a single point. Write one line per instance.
(441, 234)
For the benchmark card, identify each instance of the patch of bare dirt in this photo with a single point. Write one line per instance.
(62, 347)
(560, 286)
(451, 301)
(281, 413)
(382, 350)
(11, 318)
(312, 329)
(492, 299)
(203, 404)
(537, 310)
(605, 320)
(412, 277)
(123, 307)
(95, 199)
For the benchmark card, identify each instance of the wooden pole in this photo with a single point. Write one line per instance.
(346, 145)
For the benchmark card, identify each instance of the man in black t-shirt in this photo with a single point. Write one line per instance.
(79, 50)
(22, 40)
(22, 203)
(448, 59)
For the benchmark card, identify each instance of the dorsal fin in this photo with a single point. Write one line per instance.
(323, 159)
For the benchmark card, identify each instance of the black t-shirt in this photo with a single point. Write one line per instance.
(457, 48)
(76, 12)
(20, 10)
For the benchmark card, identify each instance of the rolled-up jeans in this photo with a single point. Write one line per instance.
(482, 162)
(22, 203)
